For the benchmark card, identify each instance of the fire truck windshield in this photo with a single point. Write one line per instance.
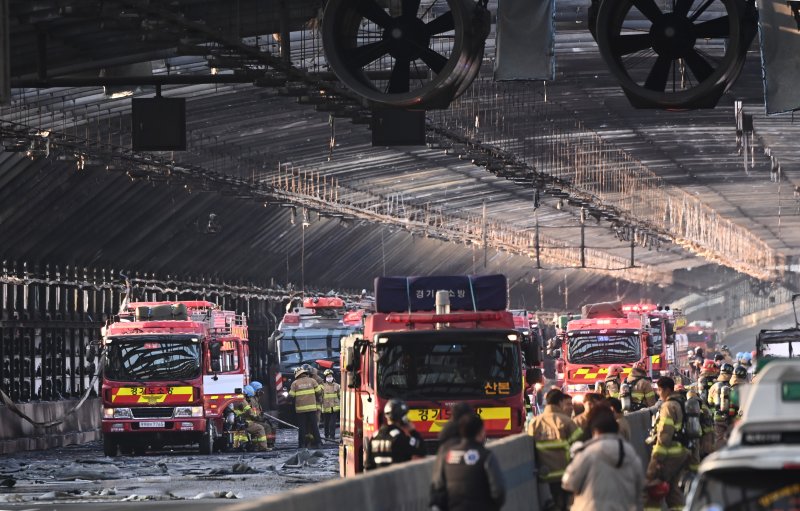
(604, 349)
(433, 370)
(297, 350)
(152, 359)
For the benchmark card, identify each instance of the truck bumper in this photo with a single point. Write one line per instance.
(197, 424)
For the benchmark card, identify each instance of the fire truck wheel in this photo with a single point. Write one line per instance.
(109, 446)
(207, 441)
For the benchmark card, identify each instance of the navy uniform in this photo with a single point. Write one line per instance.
(395, 442)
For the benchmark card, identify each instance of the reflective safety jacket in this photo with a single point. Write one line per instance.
(669, 425)
(553, 433)
(255, 405)
(243, 410)
(307, 395)
(642, 393)
(715, 397)
(330, 397)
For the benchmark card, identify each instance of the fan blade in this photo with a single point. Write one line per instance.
(648, 8)
(398, 82)
(441, 24)
(710, 29)
(434, 60)
(627, 44)
(682, 7)
(374, 12)
(410, 8)
(363, 55)
(657, 79)
(699, 66)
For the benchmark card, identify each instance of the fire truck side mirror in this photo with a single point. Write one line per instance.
(649, 340)
(651, 351)
(670, 328)
(533, 376)
(352, 363)
(215, 350)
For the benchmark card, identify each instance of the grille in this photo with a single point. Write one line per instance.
(152, 413)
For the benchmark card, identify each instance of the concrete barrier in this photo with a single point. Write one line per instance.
(640, 429)
(80, 427)
(406, 487)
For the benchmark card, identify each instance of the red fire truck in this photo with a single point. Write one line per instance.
(601, 338)
(659, 321)
(171, 370)
(432, 355)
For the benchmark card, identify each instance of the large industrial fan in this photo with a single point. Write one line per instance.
(674, 53)
(417, 54)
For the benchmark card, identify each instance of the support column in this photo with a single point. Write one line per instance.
(5, 55)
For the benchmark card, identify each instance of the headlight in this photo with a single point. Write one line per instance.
(285, 393)
(188, 411)
(117, 413)
(580, 387)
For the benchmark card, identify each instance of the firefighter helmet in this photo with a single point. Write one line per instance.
(248, 391)
(615, 370)
(726, 369)
(299, 371)
(709, 365)
(396, 410)
(327, 372)
(640, 366)
(256, 385)
(740, 372)
(658, 491)
(724, 347)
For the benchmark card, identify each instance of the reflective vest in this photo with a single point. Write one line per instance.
(669, 425)
(307, 395)
(330, 397)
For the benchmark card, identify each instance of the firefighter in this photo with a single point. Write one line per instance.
(243, 411)
(613, 381)
(255, 403)
(717, 402)
(330, 404)
(307, 395)
(706, 443)
(669, 454)
(726, 353)
(396, 441)
(553, 433)
(641, 390)
(738, 380)
(708, 376)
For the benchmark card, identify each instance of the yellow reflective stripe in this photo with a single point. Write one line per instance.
(667, 421)
(306, 408)
(674, 450)
(549, 445)
(262, 438)
(637, 395)
(304, 392)
(575, 435)
(555, 475)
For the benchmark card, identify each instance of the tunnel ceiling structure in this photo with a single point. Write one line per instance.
(280, 183)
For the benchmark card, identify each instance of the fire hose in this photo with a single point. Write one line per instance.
(293, 426)
(49, 424)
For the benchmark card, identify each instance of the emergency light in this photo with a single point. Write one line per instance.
(639, 307)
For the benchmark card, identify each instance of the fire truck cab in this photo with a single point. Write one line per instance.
(603, 337)
(310, 333)
(463, 348)
(659, 322)
(171, 370)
